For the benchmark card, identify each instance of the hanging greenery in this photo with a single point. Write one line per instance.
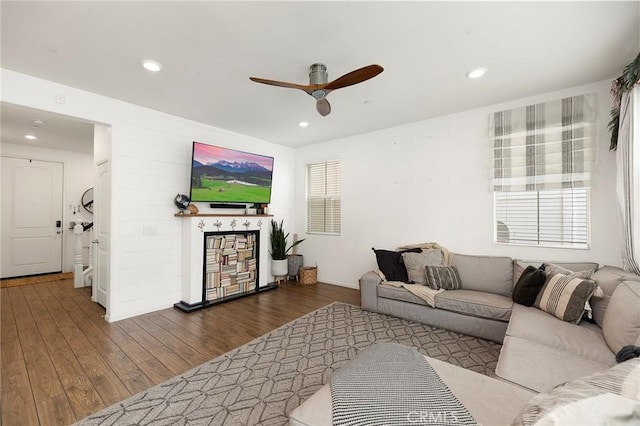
(621, 85)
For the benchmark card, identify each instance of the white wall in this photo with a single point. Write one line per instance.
(150, 164)
(429, 181)
(77, 177)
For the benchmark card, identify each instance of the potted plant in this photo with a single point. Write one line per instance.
(279, 249)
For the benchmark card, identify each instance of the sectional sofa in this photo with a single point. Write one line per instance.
(539, 352)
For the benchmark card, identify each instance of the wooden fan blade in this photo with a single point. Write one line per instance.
(307, 89)
(323, 107)
(354, 77)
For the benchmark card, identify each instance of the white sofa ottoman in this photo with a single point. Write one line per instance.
(489, 401)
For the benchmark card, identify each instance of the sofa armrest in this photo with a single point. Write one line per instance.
(369, 291)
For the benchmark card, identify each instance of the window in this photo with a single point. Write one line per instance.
(323, 197)
(543, 218)
(543, 159)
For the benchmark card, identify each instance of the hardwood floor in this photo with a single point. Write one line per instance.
(34, 279)
(61, 361)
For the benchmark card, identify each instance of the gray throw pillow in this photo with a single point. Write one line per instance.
(443, 277)
(416, 262)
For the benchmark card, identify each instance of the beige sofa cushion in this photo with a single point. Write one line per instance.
(399, 293)
(621, 325)
(608, 278)
(492, 274)
(609, 397)
(541, 367)
(475, 303)
(584, 340)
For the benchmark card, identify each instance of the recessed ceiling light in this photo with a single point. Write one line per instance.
(151, 65)
(476, 72)
(303, 123)
(30, 137)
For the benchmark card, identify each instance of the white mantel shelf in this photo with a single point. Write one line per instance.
(193, 233)
(221, 215)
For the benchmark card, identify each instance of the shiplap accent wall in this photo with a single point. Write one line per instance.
(150, 164)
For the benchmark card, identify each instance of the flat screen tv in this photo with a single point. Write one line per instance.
(225, 175)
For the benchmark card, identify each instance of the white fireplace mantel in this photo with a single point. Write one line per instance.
(193, 234)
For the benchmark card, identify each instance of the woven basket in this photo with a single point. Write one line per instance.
(308, 275)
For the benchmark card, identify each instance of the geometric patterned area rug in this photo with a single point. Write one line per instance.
(262, 381)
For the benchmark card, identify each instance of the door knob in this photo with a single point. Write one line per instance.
(95, 242)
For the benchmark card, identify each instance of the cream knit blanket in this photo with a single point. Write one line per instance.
(447, 256)
(424, 292)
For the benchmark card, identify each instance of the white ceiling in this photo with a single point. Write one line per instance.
(209, 50)
(56, 131)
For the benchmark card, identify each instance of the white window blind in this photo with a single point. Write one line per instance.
(551, 218)
(324, 183)
(543, 160)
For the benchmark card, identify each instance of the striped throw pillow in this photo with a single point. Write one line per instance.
(443, 277)
(565, 297)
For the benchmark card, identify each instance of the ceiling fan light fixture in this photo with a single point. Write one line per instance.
(303, 124)
(30, 137)
(151, 65)
(476, 73)
(319, 87)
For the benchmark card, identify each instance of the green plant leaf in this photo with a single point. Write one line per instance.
(279, 249)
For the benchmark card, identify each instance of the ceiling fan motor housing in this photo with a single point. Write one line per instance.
(318, 75)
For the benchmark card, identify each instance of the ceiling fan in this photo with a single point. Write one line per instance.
(318, 86)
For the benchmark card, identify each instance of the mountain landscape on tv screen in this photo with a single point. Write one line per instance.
(230, 181)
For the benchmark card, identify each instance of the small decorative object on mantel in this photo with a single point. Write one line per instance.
(217, 224)
(261, 208)
(192, 209)
(182, 202)
(279, 249)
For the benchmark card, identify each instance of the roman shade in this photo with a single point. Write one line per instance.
(544, 146)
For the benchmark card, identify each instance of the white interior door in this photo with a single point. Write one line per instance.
(102, 241)
(31, 217)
